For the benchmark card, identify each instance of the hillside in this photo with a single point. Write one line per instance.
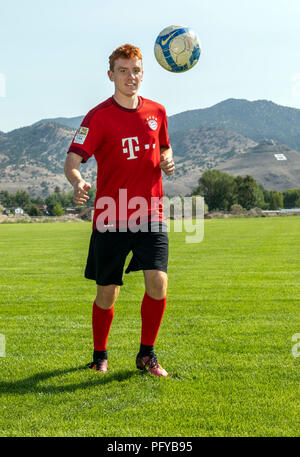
(230, 136)
(197, 150)
(72, 122)
(256, 120)
(273, 165)
(32, 158)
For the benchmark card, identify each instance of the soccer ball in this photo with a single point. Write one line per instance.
(177, 48)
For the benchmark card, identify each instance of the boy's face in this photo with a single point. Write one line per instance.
(127, 75)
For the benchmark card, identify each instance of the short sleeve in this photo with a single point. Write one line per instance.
(164, 139)
(86, 139)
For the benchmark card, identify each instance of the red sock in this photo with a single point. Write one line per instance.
(102, 319)
(152, 312)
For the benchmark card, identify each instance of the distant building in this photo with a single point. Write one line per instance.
(6, 211)
(282, 211)
(44, 209)
(71, 211)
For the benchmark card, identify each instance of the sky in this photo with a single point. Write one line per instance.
(54, 54)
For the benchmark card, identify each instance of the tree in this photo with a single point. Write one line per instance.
(8, 200)
(260, 197)
(249, 194)
(32, 210)
(267, 199)
(291, 198)
(92, 195)
(276, 200)
(38, 200)
(218, 189)
(64, 200)
(51, 201)
(22, 198)
(57, 210)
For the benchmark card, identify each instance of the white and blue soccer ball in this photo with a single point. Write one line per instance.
(177, 48)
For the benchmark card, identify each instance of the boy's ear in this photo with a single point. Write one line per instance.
(110, 75)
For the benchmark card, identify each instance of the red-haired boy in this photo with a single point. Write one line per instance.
(128, 136)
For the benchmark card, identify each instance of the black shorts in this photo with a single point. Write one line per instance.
(108, 252)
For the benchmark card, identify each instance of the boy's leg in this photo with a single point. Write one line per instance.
(152, 310)
(103, 313)
(105, 263)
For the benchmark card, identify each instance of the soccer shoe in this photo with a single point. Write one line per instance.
(150, 364)
(99, 365)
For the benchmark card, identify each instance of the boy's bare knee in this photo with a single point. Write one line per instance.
(107, 295)
(156, 283)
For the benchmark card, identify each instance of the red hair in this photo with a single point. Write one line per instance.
(126, 51)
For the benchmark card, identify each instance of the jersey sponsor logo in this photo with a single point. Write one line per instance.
(152, 122)
(131, 145)
(81, 135)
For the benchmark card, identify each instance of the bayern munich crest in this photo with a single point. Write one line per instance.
(152, 122)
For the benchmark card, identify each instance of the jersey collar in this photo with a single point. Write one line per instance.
(129, 110)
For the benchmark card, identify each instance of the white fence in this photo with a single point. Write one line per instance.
(282, 211)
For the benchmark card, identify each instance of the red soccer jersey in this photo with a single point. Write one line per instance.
(126, 145)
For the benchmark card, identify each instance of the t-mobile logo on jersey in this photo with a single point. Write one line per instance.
(133, 146)
(131, 149)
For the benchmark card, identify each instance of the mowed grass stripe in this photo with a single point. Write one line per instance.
(233, 306)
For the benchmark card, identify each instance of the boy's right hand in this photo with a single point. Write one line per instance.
(81, 189)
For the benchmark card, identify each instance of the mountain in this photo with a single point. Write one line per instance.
(230, 136)
(32, 158)
(197, 150)
(256, 120)
(273, 165)
(72, 122)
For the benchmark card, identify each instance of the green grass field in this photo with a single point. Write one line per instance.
(226, 337)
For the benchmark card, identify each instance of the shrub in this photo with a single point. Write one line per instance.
(237, 209)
